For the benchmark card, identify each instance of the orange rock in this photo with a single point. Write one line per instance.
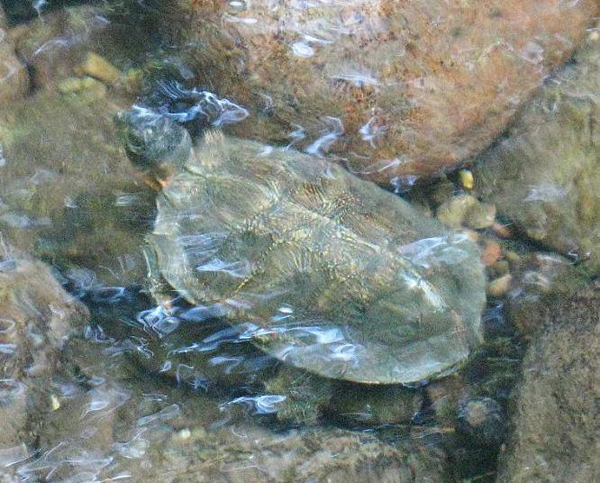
(503, 231)
(399, 87)
(491, 252)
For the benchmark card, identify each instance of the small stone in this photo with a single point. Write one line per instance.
(184, 434)
(512, 257)
(466, 179)
(53, 45)
(491, 252)
(133, 81)
(87, 85)
(480, 215)
(499, 286)
(54, 402)
(483, 421)
(422, 208)
(445, 396)
(472, 235)
(466, 210)
(99, 68)
(501, 230)
(501, 267)
(452, 212)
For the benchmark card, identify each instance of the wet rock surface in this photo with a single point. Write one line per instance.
(69, 194)
(255, 455)
(14, 78)
(544, 175)
(395, 88)
(108, 423)
(539, 280)
(60, 42)
(482, 420)
(36, 318)
(556, 412)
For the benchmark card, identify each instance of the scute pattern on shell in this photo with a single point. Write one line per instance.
(317, 267)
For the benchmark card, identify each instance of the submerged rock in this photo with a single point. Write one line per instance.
(54, 44)
(540, 279)
(68, 193)
(152, 433)
(81, 40)
(483, 421)
(325, 455)
(556, 413)
(545, 175)
(14, 78)
(36, 318)
(394, 88)
(307, 399)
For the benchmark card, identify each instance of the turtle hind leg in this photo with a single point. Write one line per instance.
(306, 395)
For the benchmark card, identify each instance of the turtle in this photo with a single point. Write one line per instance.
(324, 271)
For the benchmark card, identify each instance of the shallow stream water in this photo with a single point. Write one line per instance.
(133, 392)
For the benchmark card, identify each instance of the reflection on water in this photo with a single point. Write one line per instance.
(100, 382)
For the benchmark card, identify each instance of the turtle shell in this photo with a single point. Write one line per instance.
(318, 268)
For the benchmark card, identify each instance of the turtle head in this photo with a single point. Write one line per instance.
(154, 143)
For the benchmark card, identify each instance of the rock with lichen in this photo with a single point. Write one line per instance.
(395, 88)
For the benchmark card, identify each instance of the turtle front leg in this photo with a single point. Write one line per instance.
(159, 288)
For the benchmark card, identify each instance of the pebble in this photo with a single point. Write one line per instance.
(483, 421)
(491, 252)
(452, 212)
(480, 215)
(99, 68)
(501, 267)
(466, 179)
(512, 257)
(86, 85)
(499, 286)
(466, 210)
(501, 230)
(472, 235)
